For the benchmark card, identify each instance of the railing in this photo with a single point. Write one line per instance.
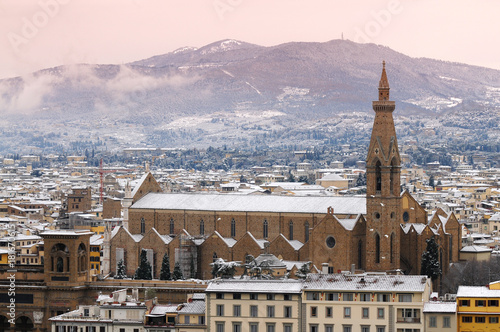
(408, 320)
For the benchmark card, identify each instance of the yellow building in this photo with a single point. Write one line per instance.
(478, 308)
(96, 242)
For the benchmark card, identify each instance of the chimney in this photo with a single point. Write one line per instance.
(324, 268)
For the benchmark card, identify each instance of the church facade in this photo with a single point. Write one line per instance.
(386, 230)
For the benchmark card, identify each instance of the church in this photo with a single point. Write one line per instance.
(384, 231)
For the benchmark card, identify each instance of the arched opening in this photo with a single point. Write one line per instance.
(377, 248)
(23, 324)
(60, 265)
(306, 232)
(58, 253)
(82, 258)
(214, 257)
(290, 230)
(4, 324)
(233, 228)
(265, 229)
(378, 176)
(202, 227)
(360, 254)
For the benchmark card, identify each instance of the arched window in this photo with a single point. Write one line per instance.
(306, 232)
(214, 257)
(172, 226)
(143, 226)
(265, 229)
(360, 254)
(202, 227)
(392, 247)
(377, 248)
(233, 228)
(290, 230)
(378, 176)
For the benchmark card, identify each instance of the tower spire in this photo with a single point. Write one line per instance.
(383, 85)
(383, 174)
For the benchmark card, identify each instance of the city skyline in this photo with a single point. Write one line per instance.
(46, 33)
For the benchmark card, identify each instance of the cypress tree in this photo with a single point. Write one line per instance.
(177, 275)
(143, 272)
(120, 273)
(430, 260)
(165, 268)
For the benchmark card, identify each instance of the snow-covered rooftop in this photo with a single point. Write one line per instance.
(255, 286)
(366, 282)
(252, 203)
(477, 291)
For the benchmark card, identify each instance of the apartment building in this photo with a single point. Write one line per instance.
(364, 302)
(254, 305)
(320, 303)
(478, 307)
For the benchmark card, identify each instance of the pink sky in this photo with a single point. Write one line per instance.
(37, 34)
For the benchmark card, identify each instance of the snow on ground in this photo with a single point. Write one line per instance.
(435, 103)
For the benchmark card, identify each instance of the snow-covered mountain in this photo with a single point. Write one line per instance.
(295, 82)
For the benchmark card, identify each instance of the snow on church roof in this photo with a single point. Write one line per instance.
(250, 203)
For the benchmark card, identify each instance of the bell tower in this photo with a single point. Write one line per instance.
(383, 200)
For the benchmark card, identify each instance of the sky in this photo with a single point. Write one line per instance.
(37, 34)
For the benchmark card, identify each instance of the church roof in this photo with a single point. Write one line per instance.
(139, 184)
(349, 224)
(250, 203)
(295, 244)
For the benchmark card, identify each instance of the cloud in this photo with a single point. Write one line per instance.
(28, 94)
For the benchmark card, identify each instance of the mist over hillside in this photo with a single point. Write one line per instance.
(224, 86)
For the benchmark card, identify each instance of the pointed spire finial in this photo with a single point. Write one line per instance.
(383, 86)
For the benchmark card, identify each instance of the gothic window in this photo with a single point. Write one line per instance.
(265, 229)
(290, 230)
(233, 228)
(202, 227)
(172, 226)
(143, 226)
(393, 177)
(377, 248)
(378, 176)
(450, 247)
(214, 257)
(392, 248)
(360, 254)
(306, 232)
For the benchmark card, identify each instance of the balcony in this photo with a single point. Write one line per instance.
(408, 320)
